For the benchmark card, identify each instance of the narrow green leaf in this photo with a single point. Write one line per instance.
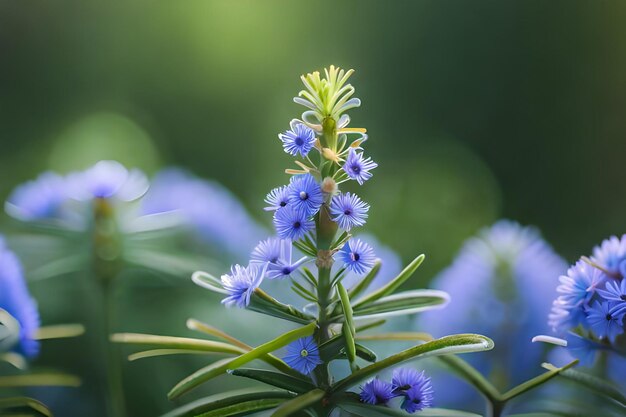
(308, 275)
(9, 331)
(460, 343)
(341, 240)
(25, 402)
(276, 379)
(171, 342)
(304, 248)
(208, 281)
(397, 336)
(407, 302)
(298, 403)
(348, 325)
(472, 376)
(593, 383)
(364, 353)
(262, 302)
(369, 410)
(394, 284)
(366, 281)
(226, 403)
(221, 367)
(535, 382)
(38, 380)
(165, 352)
(59, 331)
(371, 325)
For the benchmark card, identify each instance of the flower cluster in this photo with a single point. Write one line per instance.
(407, 383)
(327, 158)
(17, 302)
(591, 304)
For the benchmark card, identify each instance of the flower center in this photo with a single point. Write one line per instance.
(623, 297)
(304, 353)
(609, 317)
(286, 270)
(347, 212)
(304, 195)
(283, 203)
(356, 169)
(299, 141)
(296, 225)
(355, 257)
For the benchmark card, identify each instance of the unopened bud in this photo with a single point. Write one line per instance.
(329, 186)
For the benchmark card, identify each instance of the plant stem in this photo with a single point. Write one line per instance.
(106, 267)
(494, 408)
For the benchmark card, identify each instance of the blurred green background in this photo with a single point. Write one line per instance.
(475, 111)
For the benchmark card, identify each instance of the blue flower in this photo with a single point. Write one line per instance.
(299, 140)
(501, 283)
(267, 251)
(376, 392)
(357, 256)
(208, 209)
(303, 355)
(575, 291)
(241, 283)
(404, 379)
(419, 396)
(614, 291)
(39, 199)
(107, 179)
(605, 320)
(277, 198)
(349, 211)
(292, 224)
(357, 167)
(611, 255)
(15, 300)
(305, 194)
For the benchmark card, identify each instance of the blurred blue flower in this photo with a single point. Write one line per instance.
(303, 355)
(582, 348)
(292, 224)
(376, 391)
(241, 283)
(357, 167)
(38, 199)
(500, 285)
(16, 300)
(107, 179)
(357, 256)
(267, 251)
(305, 194)
(349, 211)
(277, 198)
(611, 255)
(213, 213)
(299, 140)
(605, 319)
(419, 396)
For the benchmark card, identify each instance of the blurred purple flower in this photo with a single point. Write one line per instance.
(213, 212)
(38, 199)
(16, 300)
(501, 284)
(107, 179)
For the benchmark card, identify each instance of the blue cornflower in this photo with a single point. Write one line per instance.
(419, 396)
(267, 251)
(357, 256)
(611, 255)
(582, 348)
(299, 140)
(575, 291)
(349, 211)
(305, 194)
(303, 355)
(15, 300)
(605, 320)
(277, 198)
(292, 224)
(241, 283)
(376, 392)
(404, 379)
(38, 199)
(357, 167)
(107, 179)
(614, 291)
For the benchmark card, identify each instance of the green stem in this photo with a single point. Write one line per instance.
(494, 408)
(106, 267)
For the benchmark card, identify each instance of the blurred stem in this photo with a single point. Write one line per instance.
(495, 408)
(106, 266)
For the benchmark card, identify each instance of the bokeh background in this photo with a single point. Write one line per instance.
(475, 111)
